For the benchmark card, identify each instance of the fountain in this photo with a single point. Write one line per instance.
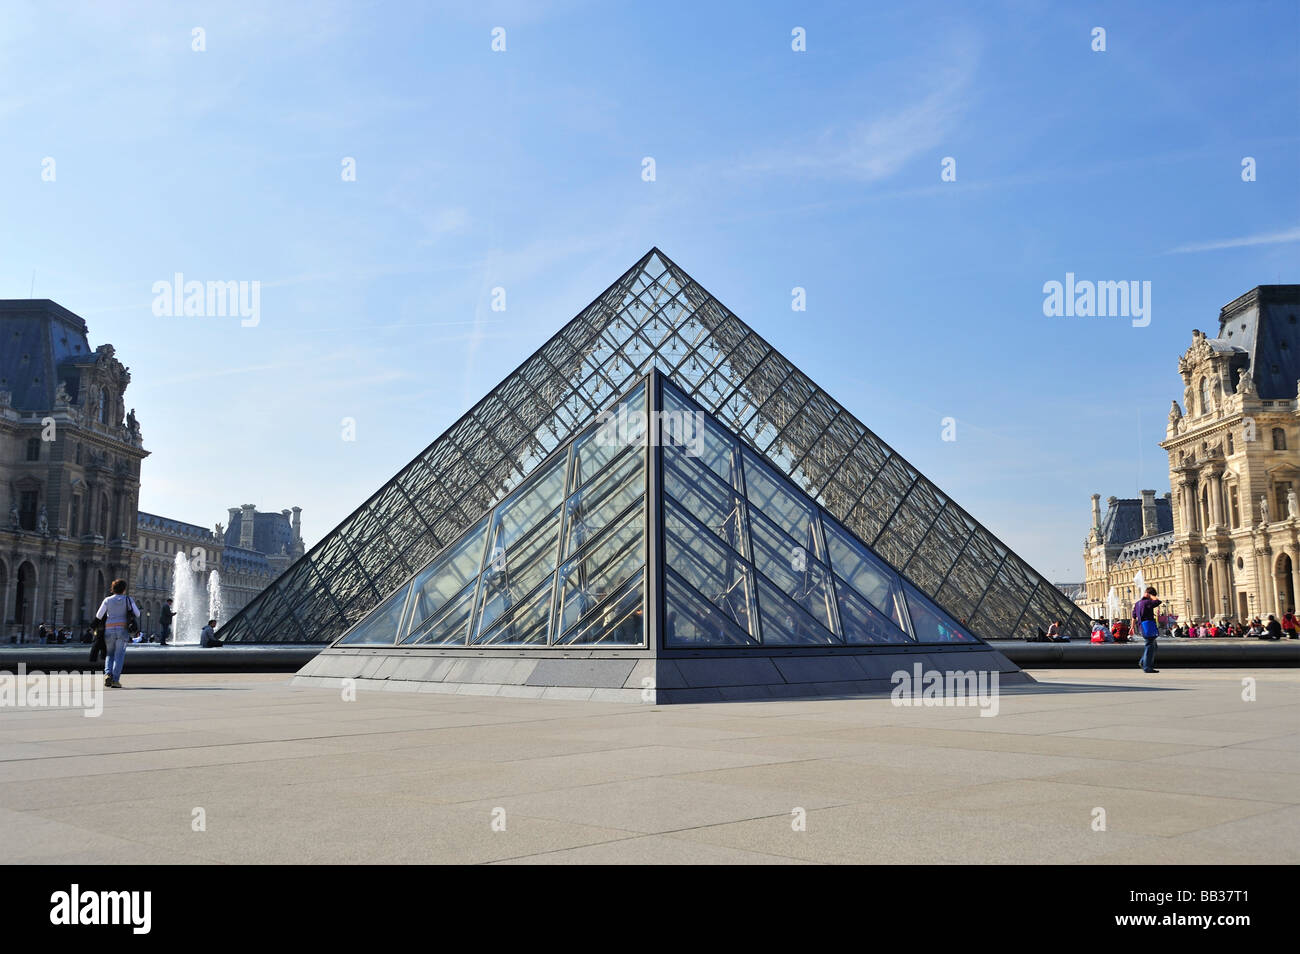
(1112, 604)
(214, 596)
(188, 602)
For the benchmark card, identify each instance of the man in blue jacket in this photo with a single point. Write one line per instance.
(1144, 621)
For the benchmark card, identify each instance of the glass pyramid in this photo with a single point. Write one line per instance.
(655, 316)
(746, 559)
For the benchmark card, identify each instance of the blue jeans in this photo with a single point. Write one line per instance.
(1150, 633)
(115, 656)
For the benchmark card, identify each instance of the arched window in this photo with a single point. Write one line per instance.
(1279, 438)
(1205, 395)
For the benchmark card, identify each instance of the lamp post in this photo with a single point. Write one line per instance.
(148, 627)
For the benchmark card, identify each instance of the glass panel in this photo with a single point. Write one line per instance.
(528, 626)
(620, 427)
(692, 622)
(932, 625)
(509, 575)
(769, 495)
(450, 625)
(791, 567)
(687, 431)
(446, 576)
(721, 577)
(785, 623)
(864, 572)
(862, 622)
(519, 514)
(600, 568)
(618, 621)
(380, 627)
(594, 507)
(710, 503)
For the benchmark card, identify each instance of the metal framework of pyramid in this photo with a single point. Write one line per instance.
(654, 318)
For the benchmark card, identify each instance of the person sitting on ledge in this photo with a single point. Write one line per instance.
(1274, 629)
(208, 635)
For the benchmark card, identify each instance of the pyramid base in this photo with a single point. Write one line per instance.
(642, 678)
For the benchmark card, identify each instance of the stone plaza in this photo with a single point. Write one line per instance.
(1085, 766)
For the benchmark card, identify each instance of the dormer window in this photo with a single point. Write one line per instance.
(1205, 395)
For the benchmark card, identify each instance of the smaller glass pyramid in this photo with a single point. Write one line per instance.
(747, 559)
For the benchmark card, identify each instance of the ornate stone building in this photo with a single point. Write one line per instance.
(159, 539)
(256, 549)
(1232, 547)
(1135, 536)
(1234, 460)
(69, 466)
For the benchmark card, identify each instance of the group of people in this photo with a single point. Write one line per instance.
(46, 635)
(1145, 621)
(1117, 631)
(118, 623)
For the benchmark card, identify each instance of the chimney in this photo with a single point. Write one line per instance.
(1096, 512)
(297, 523)
(246, 526)
(1150, 525)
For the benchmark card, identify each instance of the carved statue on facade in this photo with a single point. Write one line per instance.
(1292, 507)
(1263, 508)
(43, 522)
(1246, 383)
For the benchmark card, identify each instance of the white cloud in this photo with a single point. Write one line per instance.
(1245, 241)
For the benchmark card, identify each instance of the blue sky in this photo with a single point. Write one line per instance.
(775, 169)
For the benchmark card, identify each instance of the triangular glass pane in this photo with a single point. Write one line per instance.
(380, 627)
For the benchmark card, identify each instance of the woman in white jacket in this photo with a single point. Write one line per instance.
(114, 611)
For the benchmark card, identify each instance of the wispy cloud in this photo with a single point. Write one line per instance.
(1245, 241)
(877, 148)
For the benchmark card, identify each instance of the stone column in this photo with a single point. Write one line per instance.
(1197, 589)
(1262, 572)
(1227, 596)
(7, 608)
(1295, 580)
(1216, 500)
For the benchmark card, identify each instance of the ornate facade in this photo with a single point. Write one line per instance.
(1234, 460)
(1134, 537)
(70, 458)
(1233, 545)
(258, 548)
(159, 540)
(244, 568)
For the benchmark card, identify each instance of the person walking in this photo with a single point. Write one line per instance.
(121, 619)
(1144, 621)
